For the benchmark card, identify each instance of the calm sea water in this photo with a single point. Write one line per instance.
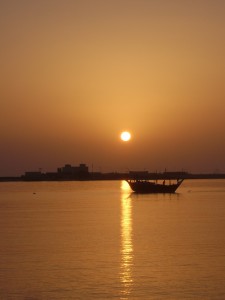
(97, 240)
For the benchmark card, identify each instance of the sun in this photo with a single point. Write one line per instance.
(125, 136)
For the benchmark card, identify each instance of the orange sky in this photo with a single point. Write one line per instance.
(74, 74)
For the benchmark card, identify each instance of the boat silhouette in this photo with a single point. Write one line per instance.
(147, 186)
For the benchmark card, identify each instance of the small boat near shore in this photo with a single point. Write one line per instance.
(147, 186)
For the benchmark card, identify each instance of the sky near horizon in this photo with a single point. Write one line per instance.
(74, 74)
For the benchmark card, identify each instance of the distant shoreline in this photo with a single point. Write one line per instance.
(112, 176)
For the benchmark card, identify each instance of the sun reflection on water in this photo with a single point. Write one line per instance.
(126, 241)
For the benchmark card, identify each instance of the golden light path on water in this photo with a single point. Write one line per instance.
(126, 241)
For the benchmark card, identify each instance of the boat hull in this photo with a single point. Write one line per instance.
(151, 187)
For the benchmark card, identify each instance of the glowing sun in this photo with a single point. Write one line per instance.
(125, 136)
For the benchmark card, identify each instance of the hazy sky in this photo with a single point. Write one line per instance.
(74, 74)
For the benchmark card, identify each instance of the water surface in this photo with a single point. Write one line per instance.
(97, 240)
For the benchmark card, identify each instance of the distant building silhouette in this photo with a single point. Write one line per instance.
(70, 170)
(67, 172)
(33, 175)
(73, 172)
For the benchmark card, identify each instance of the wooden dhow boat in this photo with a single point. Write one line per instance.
(147, 186)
